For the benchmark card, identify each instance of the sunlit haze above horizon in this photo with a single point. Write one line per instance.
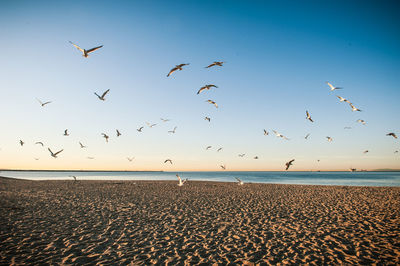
(278, 57)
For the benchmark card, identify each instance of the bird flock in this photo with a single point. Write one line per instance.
(201, 90)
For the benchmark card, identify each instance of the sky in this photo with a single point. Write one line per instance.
(278, 57)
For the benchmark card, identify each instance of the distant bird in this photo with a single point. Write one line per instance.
(140, 129)
(43, 103)
(82, 146)
(308, 116)
(343, 99)
(150, 125)
(388, 134)
(329, 139)
(256, 158)
(212, 102)
(352, 169)
(181, 182)
(223, 166)
(353, 108)
(332, 87)
(216, 63)
(177, 67)
(66, 133)
(73, 177)
(240, 182)
(85, 53)
(361, 121)
(241, 155)
(102, 96)
(168, 160)
(306, 137)
(279, 135)
(318, 160)
(347, 127)
(90, 158)
(396, 151)
(36, 159)
(40, 143)
(130, 159)
(208, 147)
(54, 155)
(366, 151)
(208, 119)
(288, 164)
(220, 149)
(21, 142)
(164, 120)
(173, 131)
(118, 133)
(206, 87)
(266, 133)
(105, 136)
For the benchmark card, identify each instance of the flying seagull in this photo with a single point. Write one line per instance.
(22, 143)
(73, 177)
(306, 137)
(102, 96)
(172, 131)
(396, 151)
(223, 166)
(388, 134)
(208, 147)
(343, 99)
(66, 133)
(280, 135)
(240, 182)
(177, 67)
(164, 120)
(329, 139)
(220, 149)
(308, 116)
(42, 103)
(54, 155)
(168, 160)
(241, 155)
(36, 159)
(139, 129)
(255, 157)
(288, 164)
(181, 182)
(216, 63)
(208, 119)
(361, 121)
(353, 108)
(150, 125)
(105, 136)
(206, 87)
(347, 127)
(366, 151)
(332, 87)
(118, 133)
(130, 159)
(212, 102)
(39, 142)
(82, 146)
(90, 158)
(85, 53)
(266, 133)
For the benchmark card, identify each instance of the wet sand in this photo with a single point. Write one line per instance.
(148, 222)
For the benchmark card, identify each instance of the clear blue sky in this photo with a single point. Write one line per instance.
(278, 54)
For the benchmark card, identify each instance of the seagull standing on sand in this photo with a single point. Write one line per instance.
(180, 181)
(212, 102)
(208, 119)
(206, 87)
(54, 155)
(216, 63)
(85, 53)
(332, 87)
(82, 146)
(329, 139)
(66, 133)
(118, 133)
(240, 182)
(288, 164)
(105, 136)
(173, 131)
(102, 96)
(177, 67)
(388, 134)
(308, 116)
(41, 103)
(168, 160)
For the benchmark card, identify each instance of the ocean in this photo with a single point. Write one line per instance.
(306, 178)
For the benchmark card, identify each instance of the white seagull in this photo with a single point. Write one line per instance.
(172, 131)
(42, 103)
(181, 182)
(164, 120)
(177, 67)
(343, 99)
(353, 108)
(240, 182)
(279, 135)
(54, 155)
(150, 125)
(102, 96)
(85, 53)
(332, 87)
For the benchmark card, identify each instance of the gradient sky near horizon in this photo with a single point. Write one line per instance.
(278, 54)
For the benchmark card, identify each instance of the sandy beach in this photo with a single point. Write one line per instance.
(151, 222)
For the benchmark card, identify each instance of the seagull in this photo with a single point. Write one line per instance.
(139, 129)
(223, 166)
(361, 121)
(216, 63)
(85, 53)
(164, 120)
(306, 137)
(66, 133)
(206, 87)
(172, 131)
(118, 133)
(208, 147)
(36, 159)
(256, 158)
(308, 116)
(329, 139)
(130, 159)
(208, 119)
(396, 151)
(54, 155)
(177, 67)
(103, 95)
(347, 127)
(82, 146)
(73, 177)
(220, 149)
(212, 102)
(181, 182)
(240, 182)
(241, 155)
(388, 134)
(105, 136)
(168, 160)
(332, 87)
(343, 99)
(42, 103)
(280, 135)
(288, 164)
(354, 108)
(150, 125)
(90, 158)
(366, 151)
(39, 142)
(22, 143)
(266, 133)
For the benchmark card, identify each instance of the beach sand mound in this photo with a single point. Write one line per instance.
(143, 222)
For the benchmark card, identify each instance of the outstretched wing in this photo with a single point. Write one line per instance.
(94, 49)
(172, 71)
(104, 94)
(77, 47)
(58, 152)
